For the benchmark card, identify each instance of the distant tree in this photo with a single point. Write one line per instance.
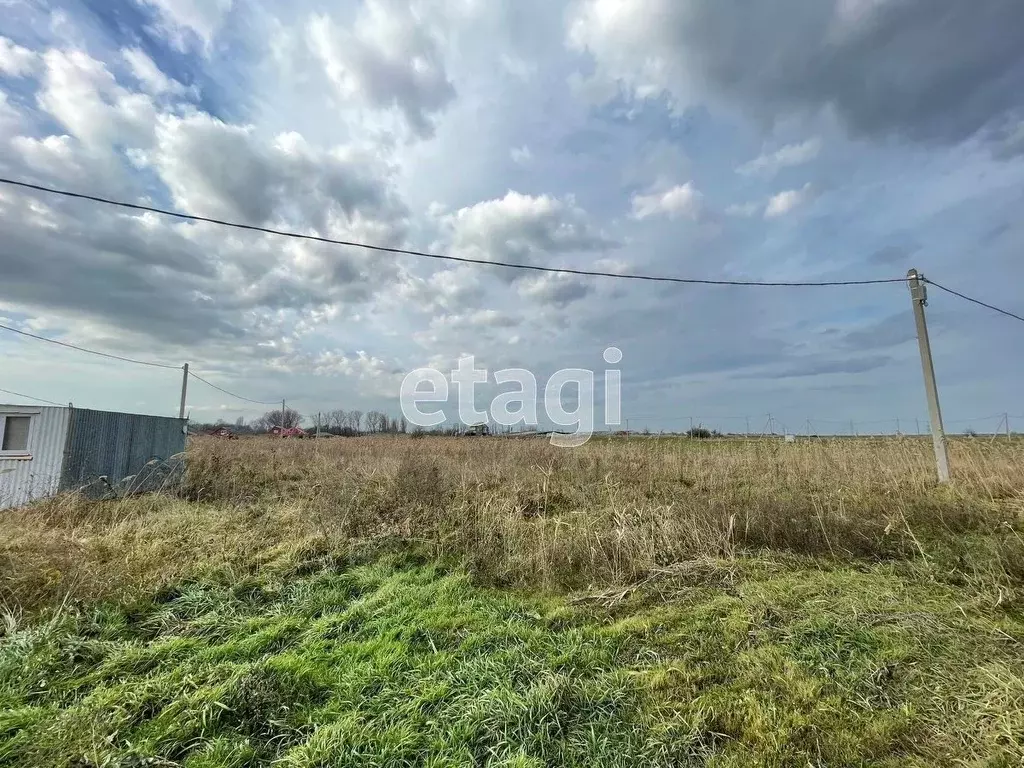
(355, 421)
(337, 420)
(376, 422)
(403, 426)
(292, 418)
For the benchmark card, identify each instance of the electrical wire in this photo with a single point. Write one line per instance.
(998, 416)
(122, 359)
(973, 301)
(231, 394)
(439, 256)
(29, 397)
(427, 255)
(88, 351)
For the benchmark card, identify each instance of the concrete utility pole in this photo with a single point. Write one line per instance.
(919, 299)
(184, 391)
(1009, 434)
(283, 411)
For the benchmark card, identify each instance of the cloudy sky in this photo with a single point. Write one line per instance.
(792, 140)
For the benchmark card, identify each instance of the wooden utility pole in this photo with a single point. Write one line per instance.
(184, 391)
(919, 299)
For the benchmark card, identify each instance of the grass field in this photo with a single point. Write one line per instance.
(401, 602)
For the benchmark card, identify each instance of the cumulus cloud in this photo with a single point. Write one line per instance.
(149, 75)
(175, 282)
(786, 202)
(181, 18)
(682, 200)
(928, 70)
(359, 365)
(477, 320)
(446, 291)
(16, 61)
(10, 118)
(521, 155)
(227, 171)
(788, 156)
(557, 290)
(280, 138)
(84, 97)
(389, 59)
(523, 229)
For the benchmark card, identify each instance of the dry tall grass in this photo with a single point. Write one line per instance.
(782, 604)
(521, 512)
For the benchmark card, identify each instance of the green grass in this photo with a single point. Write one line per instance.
(744, 662)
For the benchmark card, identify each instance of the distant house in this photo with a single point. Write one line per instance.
(289, 432)
(46, 450)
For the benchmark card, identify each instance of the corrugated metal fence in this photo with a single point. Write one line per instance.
(137, 452)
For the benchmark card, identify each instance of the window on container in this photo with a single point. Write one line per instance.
(16, 433)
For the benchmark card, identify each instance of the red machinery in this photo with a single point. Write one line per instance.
(223, 432)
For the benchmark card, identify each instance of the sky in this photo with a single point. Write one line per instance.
(798, 140)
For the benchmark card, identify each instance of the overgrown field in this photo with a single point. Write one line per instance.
(404, 602)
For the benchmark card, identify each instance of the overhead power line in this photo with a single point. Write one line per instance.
(974, 301)
(444, 257)
(122, 359)
(29, 397)
(231, 394)
(87, 351)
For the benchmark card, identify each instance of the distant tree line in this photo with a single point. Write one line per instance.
(337, 422)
